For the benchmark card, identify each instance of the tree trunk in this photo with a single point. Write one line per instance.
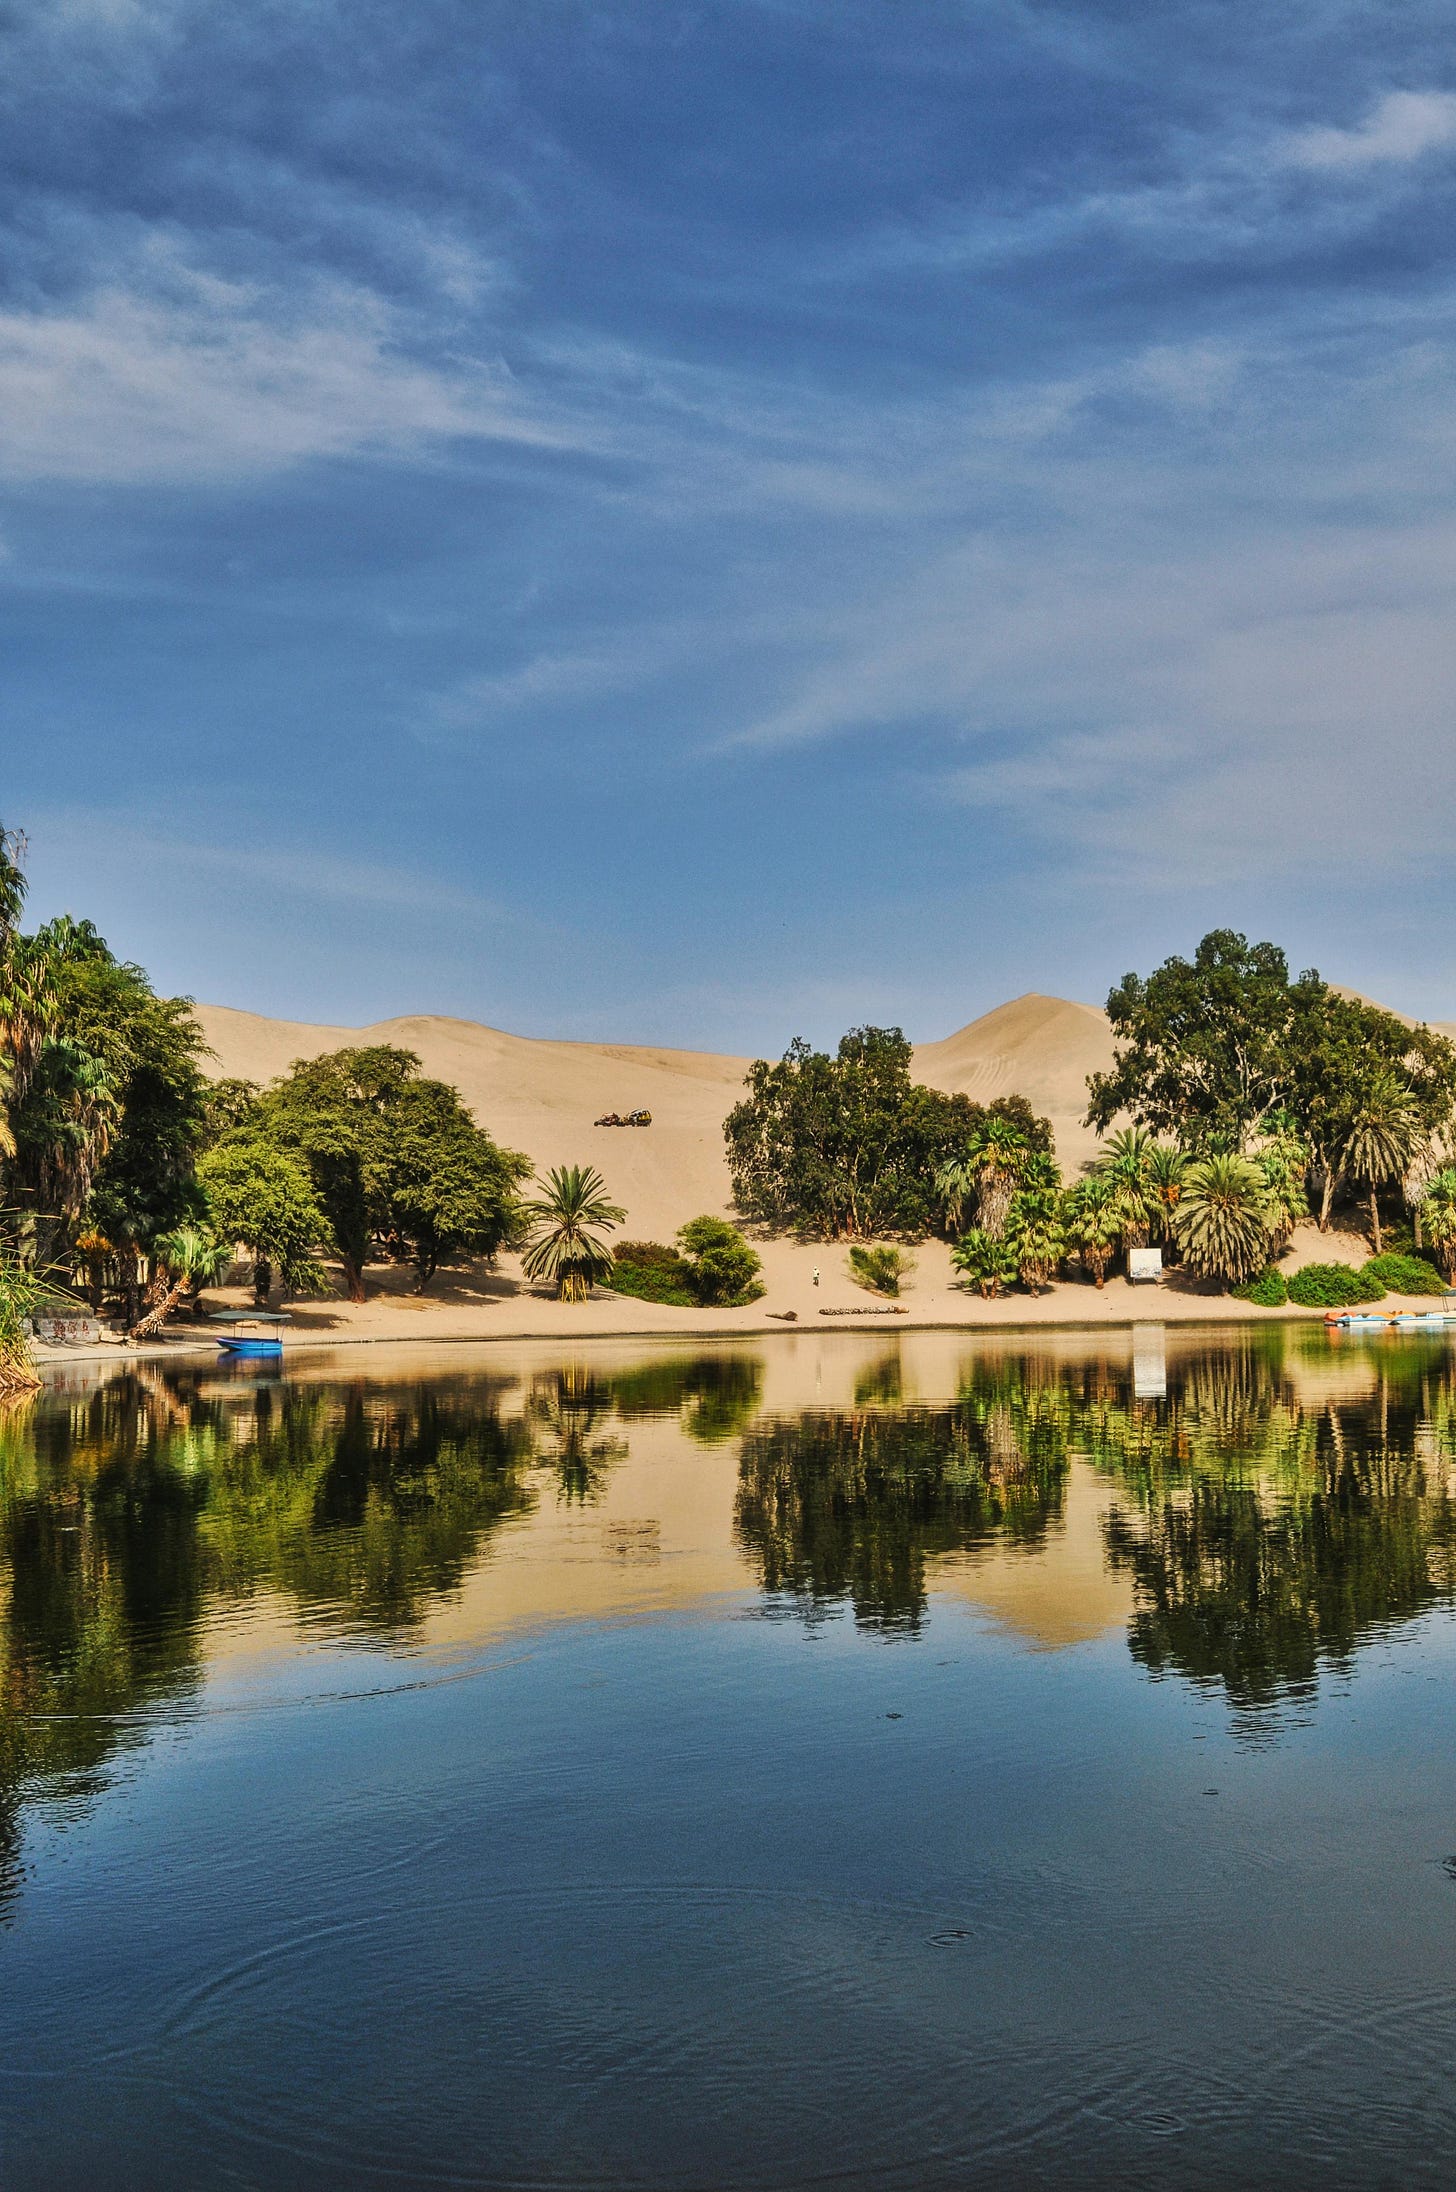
(262, 1282)
(1375, 1218)
(151, 1324)
(1327, 1196)
(353, 1277)
(1416, 1224)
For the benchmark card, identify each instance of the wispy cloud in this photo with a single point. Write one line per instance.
(1402, 127)
(198, 380)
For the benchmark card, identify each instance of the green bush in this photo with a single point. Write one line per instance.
(1269, 1291)
(881, 1270)
(1405, 1274)
(650, 1272)
(722, 1270)
(1333, 1286)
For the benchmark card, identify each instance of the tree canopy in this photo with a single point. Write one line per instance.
(849, 1146)
(1227, 1051)
(393, 1157)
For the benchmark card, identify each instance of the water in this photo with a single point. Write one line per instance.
(822, 1761)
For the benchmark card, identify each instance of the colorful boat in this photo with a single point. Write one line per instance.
(239, 1341)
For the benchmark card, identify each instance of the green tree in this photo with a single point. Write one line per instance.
(1439, 1211)
(393, 1157)
(1036, 1233)
(987, 1260)
(189, 1257)
(330, 1111)
(1343, 1052)
(722, 1268)
(1203, 1046)
(1223, 1218)
(567, 1224)
(849, 1147)
(442, 1186)
(1382, 1137)
(1093, 1216)
(263, 1198)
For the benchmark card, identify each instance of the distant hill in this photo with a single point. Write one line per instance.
(542, 1097)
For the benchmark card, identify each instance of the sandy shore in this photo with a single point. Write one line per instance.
(476, 1303)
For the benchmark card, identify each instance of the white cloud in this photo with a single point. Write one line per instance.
(199, 380)
(1404, 126)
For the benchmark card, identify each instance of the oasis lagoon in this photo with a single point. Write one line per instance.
(818, 1761)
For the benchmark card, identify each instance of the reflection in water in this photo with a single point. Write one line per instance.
(1270, 1512)
(684, 1902)
(853, 1505)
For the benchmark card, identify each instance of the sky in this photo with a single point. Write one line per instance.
(707, 523)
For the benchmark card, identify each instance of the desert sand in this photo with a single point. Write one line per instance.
(543, 1097)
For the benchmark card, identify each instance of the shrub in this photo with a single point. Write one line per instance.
(1269, 1291)
(650, 1272)
(722, 1270)
(1333, 1286)
(880, 1270)
(988, 1264)
(1405, 1274)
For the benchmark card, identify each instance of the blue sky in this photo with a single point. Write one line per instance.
(702, 523)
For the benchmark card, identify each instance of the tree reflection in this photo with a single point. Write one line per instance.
(1267, 1537)
(130, 1513)
(850, 1506)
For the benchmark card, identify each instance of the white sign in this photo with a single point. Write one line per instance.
(1144, 1263)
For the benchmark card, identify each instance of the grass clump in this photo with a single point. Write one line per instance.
(1405, 1274)
(1333, 1286)
(880, 1270)
(1269, 1291)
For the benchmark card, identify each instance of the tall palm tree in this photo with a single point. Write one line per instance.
(1124, 1161)
(1223, 1217)
(1166, 1166)
(1382, 1139)
(566, 1247)
(999, 1151)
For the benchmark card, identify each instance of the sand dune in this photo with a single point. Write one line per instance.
(542, 1097)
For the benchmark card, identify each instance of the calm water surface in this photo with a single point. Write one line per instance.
(816, 1761)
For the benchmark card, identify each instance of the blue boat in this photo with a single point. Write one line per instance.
(239, 1341)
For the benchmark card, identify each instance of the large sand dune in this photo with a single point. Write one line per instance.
(543, 1097)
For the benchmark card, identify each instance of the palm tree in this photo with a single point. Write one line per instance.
(1382, 1139)
(1283, 1159)
(1223, 1217)
(1166, 1166)
(1036, 1236)
(1439, 1211)
(1125, 1162)
(70, 1120)
(986, 1260)
(566, 1247)
(190, 1256)
(988, 1168)
(1094, 1217)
